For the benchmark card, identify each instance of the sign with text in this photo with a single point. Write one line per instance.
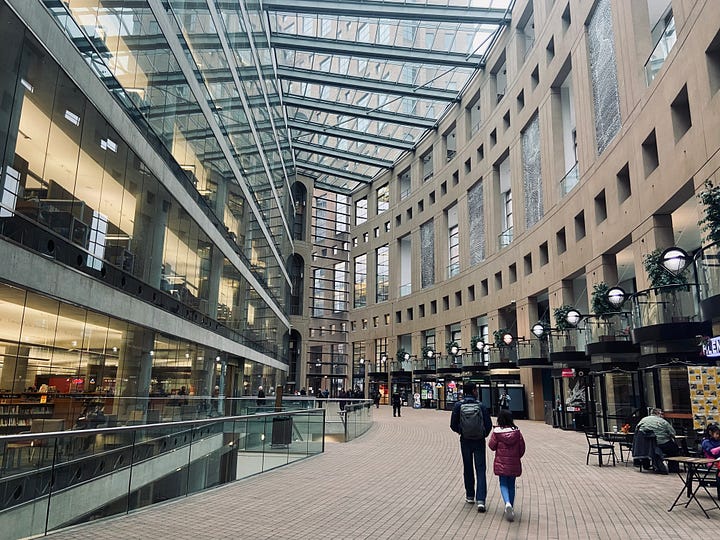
(711, 347)
(568, 372)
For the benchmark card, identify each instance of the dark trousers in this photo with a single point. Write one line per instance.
(396, 409)
(473, 456)
(670, 449)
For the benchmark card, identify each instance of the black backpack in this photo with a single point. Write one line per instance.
(472, 424)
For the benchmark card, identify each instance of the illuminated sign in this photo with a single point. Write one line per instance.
(711, 347)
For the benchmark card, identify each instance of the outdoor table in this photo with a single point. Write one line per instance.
(621, 438)
(694, 472)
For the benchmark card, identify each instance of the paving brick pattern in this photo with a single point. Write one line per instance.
(403, 480)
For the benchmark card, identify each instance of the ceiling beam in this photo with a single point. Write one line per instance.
(372, 50)
(332, 171)
(339, 154)
(361, 112)
(350, 134)
(361, 83)
(392, 10)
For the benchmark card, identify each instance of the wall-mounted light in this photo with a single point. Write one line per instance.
(675, 260)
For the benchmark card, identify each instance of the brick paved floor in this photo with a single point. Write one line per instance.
(402, 480)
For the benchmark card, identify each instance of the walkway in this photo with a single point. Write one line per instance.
(402, 480)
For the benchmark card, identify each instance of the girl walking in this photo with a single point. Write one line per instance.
(509, 446)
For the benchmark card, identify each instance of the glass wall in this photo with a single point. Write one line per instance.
(74, 190)
(60, 350)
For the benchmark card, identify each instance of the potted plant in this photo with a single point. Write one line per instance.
(449, 346)
(498, 337)
(426, 359)
(561, 324)
(400, 356)
(658, 276)
(710, 223)
(603, 310)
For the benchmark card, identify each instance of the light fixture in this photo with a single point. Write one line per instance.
(430, 353)
(383, 358)
(72, 117)
(362, 360)
(616, 296)
(507, 338)
(152, 353)
(480, 345)
(538, 330)
(454, 350)
(30, 88)
(406, 356)
(573, 317)
(217, 358)
(674, 260)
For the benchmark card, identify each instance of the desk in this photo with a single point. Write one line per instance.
(696, 470)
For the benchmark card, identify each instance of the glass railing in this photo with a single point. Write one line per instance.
(358, 419)
(532, 348)
(474, 359)
(615, 327)
(116, 470)
(570, 180)
(566, 341)
(453, 269)
(661, 51)
(503, 355)
(405, 289)
(708, 270)
(505, 238)
(665, 305)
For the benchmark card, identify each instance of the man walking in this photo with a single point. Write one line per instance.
(472, 421)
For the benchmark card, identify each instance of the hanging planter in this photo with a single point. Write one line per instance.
(400, 355)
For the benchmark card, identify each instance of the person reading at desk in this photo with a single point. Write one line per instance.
(711, 449)
(664, 434)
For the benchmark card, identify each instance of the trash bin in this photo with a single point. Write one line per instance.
(281, 431)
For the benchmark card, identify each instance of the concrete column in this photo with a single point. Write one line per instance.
(133, 373)
(654, 233)
(151, 217)
(602, 268)
(217, 259)
(526, 316)
(14, 374)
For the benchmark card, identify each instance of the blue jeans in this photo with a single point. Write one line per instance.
(473, 456)
(507, 489)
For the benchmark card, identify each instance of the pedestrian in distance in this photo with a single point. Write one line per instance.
(509, 446)
(396, 403)
(504, 400)
(471, 420)
(376, 399)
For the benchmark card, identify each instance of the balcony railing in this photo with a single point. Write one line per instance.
(613, 328)
(661, 50)
(708, 267)
(533, 348)
(570, 180)
(665, 305)
(453, 269)
(505, 238)
(504, 355)
(566, 341)
(405, 289)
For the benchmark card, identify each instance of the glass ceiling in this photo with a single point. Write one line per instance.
(362, 82)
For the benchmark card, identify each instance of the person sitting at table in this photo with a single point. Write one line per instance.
(711, 449)
(664, 434)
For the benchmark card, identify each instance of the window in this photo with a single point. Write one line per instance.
(383, 274)
(360, 281)
(339, 303)
(427, 165)
(361, 207)
(383, 199)
(453, 242)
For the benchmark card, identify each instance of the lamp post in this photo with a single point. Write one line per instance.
(675, 260)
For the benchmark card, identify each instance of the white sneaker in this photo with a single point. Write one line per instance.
(470, 500)
(509, 513)
(481, 506)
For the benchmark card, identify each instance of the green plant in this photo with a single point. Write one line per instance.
(449, 345)
(425, 350)
(474, 341)
(400, 355)
(599, 303)
(710, 223)
(560, 314)
(658, 275)
(498, 337)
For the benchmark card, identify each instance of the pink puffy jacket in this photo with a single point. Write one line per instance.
(509, 447)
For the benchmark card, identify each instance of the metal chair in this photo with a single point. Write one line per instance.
(599, 449)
